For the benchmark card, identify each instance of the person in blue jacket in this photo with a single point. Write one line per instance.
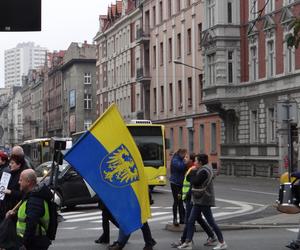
(178, 169)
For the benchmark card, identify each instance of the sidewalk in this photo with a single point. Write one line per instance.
(266, 217)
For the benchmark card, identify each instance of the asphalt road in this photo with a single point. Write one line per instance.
(235, 197)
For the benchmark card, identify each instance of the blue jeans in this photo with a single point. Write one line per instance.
(123, 238)
(206, 211)
(200, 220)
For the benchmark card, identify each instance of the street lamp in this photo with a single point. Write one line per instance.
(187, 65)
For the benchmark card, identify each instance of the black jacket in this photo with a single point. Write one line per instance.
(34, 211)
(10, 200)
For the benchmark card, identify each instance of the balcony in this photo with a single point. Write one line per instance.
(142, 75)
(143, 35)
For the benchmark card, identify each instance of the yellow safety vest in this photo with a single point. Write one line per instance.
(21, 223)
(186, 184)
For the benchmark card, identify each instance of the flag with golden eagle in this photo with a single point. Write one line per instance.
(107, 157)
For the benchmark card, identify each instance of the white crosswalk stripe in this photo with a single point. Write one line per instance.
(295, 230)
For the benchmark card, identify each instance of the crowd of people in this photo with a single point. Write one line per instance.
(25, 203)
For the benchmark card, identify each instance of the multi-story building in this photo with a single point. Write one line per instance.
(249, 70)
(53, 95)
(79, 87)
(32, 104)
(117, 57)
(172, 74)
(19, 60)
(4, 99)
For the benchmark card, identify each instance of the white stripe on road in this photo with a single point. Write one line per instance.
(295, 230)
(83, 219)
(81, 215)
(253, 191)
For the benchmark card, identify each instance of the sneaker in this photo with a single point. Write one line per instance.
(220, 246)
(186, 245)
(176, 244)
(211, 241)
(293, 245)
(115, 246)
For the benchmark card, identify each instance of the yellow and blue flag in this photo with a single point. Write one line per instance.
(107, 157)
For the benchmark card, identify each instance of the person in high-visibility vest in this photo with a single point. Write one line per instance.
(33, 213)
(186, 197)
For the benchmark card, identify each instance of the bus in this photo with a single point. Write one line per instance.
(40, 150)
(151, 142)
(37, 150)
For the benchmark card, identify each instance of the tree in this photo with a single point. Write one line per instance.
(294, 39)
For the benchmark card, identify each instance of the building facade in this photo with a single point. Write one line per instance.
(53, 95)
(32, 104)
(79, 87)
(249, 71)
(117, 57)
(172, 56)
(19, 60)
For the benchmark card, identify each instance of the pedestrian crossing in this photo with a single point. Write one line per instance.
(92, 219)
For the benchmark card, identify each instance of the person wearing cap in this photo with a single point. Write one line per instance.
(3, 162)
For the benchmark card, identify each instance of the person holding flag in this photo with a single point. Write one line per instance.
(113, 167)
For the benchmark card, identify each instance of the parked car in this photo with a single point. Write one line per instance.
(71, 189)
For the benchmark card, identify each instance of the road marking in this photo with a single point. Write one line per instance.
(253, 191)
(83, 219)
(67, 217)
(295, 230)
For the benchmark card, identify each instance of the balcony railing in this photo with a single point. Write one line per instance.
(142, 75)
(143, 35)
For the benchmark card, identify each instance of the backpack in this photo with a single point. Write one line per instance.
(53, 220)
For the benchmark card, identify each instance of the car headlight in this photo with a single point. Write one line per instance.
(161, 178)
(45, 172)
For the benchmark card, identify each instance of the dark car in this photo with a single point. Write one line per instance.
(71, 189)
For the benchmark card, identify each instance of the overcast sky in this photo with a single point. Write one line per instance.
(63, 22)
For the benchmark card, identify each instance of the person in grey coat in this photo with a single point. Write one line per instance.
(203, 197)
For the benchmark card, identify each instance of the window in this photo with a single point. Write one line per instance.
(254, 126)
(154, 56)
(190, 97)
(87, 124)
(155, 100)
(188, 3)
(253, 9)
(161, 13)
(191, 139)
(178, 5)
(170, 8)
(178, 45)
(87, 101)
(171, 96)
(179, 94)
(270, 6)
(253, 63)
(230, 66)
(211, 12)
(180, 134)
(189, 41)
(270, 58)
(154, 16)
(201, 138)
(87, 78)
(162, 98)
(200, 88)
(229, 12)
(211, 69)
(161, 56)
(271, 129)
(289, 58)
(170, 50)
(213, 138)
(199, 35)
(171, 139)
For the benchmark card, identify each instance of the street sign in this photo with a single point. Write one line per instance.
(287, 111)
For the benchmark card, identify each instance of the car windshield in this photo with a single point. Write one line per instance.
(45, 167)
